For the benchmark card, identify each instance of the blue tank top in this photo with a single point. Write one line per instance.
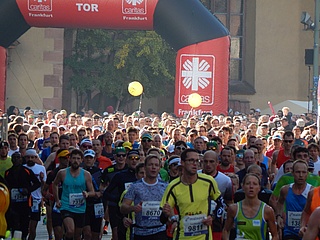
(266, 161)
(294, 207)
(72, 199)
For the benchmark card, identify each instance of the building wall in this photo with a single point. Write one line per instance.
(34, 73)
(274, 52)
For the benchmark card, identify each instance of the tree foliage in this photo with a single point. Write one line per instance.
(108, 60)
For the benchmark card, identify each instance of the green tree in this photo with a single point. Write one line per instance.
(108, 60)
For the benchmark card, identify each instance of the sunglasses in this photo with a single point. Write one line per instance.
(181, 148)
(174, 164)
(288, 141)
(46, 131)
(121, 155)
(87, 146)
(134, 158)
(146, 140)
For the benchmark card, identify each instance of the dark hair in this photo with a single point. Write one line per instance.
(75, 152)
(178, 143)
(21, 135)
(185, 153)
(299, 150)
(313, 145)
(249, 175)
(53, 134)
(217, 139)
(286, 162)
(65, 137)
(138, 167)
(288, 134)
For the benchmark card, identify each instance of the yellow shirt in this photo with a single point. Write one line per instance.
(193, 204)
(5, 165)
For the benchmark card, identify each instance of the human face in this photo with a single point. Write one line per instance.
(64, 144)
(251, 187)
(120, 157)
(108, 138)
(141, 173)
(81, 135)
(288, 167)
(75, 161)
(287, 142)
(173, 169)
(4, 151)
(179, 149)
(202, 131)
(239, 159)
(133, 160)
(225, 157)
(210, 163)
(73, 141)
(314, 153)
(72, 121)
(302, 155)
(30, 160)
(152, 168)
(146, 143)
(46, 132)
(300, 173)
(12, 140)
(199, 144)
(177, 135)
(54, 139)
(157, 142)
(248, 158)
(190, 164)
(132, 136)
(89, 161)
(16, 159)
(259, 143)
(96, 146)
(23, 142)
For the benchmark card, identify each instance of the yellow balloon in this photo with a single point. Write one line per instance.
(194, 100)
(135, 88)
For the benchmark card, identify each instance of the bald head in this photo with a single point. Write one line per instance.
(210, 162)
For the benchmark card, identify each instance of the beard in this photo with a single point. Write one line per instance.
(75, 166)
(30, 163)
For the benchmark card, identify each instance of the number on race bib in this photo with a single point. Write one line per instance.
(98, 210)
(151, 210)
(193, 225)
(76, 200)
(16, 196)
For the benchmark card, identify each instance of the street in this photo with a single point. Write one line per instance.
(42, 232)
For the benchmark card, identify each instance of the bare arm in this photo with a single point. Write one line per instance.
(90, 192)
(270, 218)
(273, 168)
(127, 207)
(306, 214)
(231, 213)
(313, 226)
(49, 160)
(280, 206)
(59, 178)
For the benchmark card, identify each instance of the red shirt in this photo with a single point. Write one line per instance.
(104, 162)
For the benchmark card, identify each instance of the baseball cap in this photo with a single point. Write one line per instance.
(4, 144)
(31, 152)
(96, 127)
(89, 152)
(205, 138)
(213, 145)
(174, 160)
(63, 112)
(146, 135)
(120, 149)
(134, 151)
(63, 126)
(63, 153)
(277, 137)
(171, 148)
(86, 140)
(127, 145)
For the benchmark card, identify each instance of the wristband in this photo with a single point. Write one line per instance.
(174, 218)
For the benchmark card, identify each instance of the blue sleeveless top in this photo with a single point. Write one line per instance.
(72, 199)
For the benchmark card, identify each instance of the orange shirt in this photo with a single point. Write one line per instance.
(104, 162)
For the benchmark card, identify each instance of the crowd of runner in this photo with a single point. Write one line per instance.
(242, 176)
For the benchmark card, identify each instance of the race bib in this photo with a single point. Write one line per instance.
(294, 219)
(55, 209)
(98, 210)
(35, 205)
(76, 200)
(151, 210)
(193, 225)
(16, 196)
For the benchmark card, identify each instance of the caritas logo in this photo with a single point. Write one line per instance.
(196, 74)
(40, 5)
(134, 6)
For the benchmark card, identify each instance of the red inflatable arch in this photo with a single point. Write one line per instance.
(201, 41)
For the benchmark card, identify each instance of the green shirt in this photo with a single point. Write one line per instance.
(312, 179)
(5, 165)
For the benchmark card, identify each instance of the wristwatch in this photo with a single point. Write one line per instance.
(174, 218)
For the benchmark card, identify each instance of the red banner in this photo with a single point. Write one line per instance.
(203, 68)
(112, 14)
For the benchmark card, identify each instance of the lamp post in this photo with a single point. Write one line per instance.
(316, 91)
